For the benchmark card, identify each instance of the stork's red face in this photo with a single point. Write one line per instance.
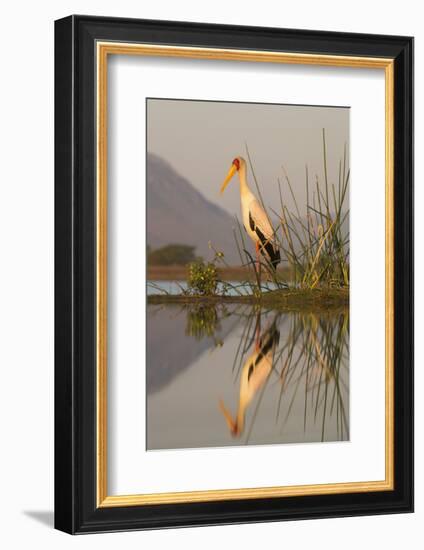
(235, 167)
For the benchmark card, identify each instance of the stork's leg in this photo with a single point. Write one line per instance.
(258, 261)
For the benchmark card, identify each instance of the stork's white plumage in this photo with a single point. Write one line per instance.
(255, 219)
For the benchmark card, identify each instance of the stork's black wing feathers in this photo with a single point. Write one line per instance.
(267, 245)
(272, 340)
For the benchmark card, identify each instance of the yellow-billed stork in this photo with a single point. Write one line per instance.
(255, 219)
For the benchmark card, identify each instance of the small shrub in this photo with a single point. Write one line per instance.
(202, 278)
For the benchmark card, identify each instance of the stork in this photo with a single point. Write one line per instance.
(255, 219)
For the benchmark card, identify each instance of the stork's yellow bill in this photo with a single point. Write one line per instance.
(229, 176)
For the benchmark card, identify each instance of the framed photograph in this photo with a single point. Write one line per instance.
(234, 274)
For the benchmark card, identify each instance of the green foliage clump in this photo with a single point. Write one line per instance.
(171, 254)
(202, 278)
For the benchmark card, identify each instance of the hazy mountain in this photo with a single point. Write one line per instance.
(178, 213)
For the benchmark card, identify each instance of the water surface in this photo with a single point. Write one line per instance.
(240, 375)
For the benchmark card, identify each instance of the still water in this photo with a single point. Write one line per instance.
(240, 375)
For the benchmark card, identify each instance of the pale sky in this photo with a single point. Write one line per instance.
(201, 138)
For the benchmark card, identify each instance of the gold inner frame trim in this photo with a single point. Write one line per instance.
(104, 49)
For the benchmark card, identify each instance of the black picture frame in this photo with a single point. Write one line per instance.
(76, 510)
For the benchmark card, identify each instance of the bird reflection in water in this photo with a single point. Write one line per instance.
(254, 374)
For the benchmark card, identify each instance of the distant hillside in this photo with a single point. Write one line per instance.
(178, 213)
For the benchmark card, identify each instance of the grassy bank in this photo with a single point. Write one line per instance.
(231, 273)
(316, 300)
